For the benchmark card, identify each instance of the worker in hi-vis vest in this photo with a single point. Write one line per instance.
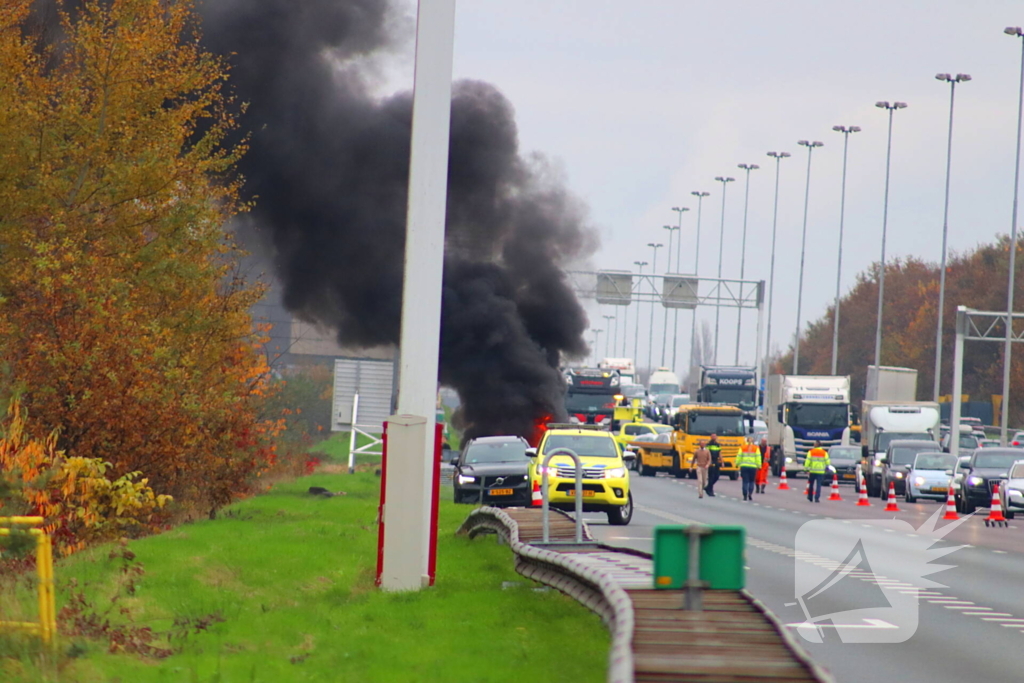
(749, 462)
(815, 465)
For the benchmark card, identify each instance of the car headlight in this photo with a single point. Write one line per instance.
(878, 462)
(918, 481)
(550, 470)
(789, 459)
(615, 473)
(899, 475)
(975, 481)
(466, 480)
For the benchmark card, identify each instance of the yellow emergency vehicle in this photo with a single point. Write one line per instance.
(696, 423)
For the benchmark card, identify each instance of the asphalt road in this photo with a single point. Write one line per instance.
(970, 617)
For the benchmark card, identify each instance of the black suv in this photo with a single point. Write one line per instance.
(895, 466)
(493, 470)
(986, 466)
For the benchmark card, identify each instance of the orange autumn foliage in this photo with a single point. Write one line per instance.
(123, 318)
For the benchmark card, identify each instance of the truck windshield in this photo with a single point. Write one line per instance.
(736, 396)
(821, 415)
(589, 403)
(664, 389)
(708, 424)
(883, 440)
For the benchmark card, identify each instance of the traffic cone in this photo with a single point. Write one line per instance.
(783, 484)
(891, 507)
(862, 492)
(536, 500)
(995, 512)
(835, 488)
(951, 505)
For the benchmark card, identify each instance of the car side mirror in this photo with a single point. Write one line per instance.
(531, 452)
(909, 467)
(454, 460)
(883, 460)
(629, 456)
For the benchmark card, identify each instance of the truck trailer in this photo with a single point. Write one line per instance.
(802, 409)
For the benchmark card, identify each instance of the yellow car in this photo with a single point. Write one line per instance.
(605, 479)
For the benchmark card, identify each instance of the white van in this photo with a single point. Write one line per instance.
(663, 381)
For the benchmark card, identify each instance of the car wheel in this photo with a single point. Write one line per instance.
(620, 516)
(644, 470)
(677, 471)
(969, 506)
(883, 491)
(733, 476)
(693, 473)
(908, 496)
(1009, 514)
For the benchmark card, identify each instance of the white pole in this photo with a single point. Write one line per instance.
(352, 435)
(958, 380)
(421, 297)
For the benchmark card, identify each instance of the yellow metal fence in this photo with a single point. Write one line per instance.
(46, 627)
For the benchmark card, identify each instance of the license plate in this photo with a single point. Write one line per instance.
(500, 492)
(939, 489)
(586, 493)
(849, 476)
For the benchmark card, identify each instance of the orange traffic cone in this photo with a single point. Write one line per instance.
(783, 484)
(891, 507)
(951, 505)
(862, 493)
(995, 512)
(536, 500)
(835, 488)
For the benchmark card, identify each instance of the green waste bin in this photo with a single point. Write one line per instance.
(721, 556)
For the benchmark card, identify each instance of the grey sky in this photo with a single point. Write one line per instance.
(641, 102)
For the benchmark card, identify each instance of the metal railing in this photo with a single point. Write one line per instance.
(46, 627)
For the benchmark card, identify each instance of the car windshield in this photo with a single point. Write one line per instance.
(968, 441)
(632, 390)
(883, 440)
(821, 415)
(585, 445)
(737, 396)
(680, 401)
(996, 460)
(589, 403)
(934, 461)
(503, 451)
(844, 453)
(904, 455)
(660, 429)
(723, 425)
(662, 399)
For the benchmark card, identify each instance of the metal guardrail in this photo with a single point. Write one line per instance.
(545, 505)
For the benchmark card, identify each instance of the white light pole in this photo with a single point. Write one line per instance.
(952, 80)
(778, 156)
(597, 337)
(608, 326)
(1012, 270)
(845, 130)
(636, 329)
(885, 225)
(654, 271)
(664, 326)
(743, 253)
(721, 245)
(679, 268)
(696, 272)
(803, 252)
(405, 530)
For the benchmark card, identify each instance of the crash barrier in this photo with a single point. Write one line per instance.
(46, 627)
(653, 637)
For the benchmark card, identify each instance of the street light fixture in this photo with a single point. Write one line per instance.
(679, 267)
(778, 156)
(952, 80)
(721, 244)
(696, 272)
(664, 327)
(803, 251)
(743, 252)
(650, 333)
(885, 224)
(636, 330)
(846, 131)
(1012, 271)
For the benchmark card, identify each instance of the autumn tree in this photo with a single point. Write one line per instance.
(122, 316)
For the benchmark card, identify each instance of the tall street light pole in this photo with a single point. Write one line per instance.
(952, 80)
(636, 329)
(607, 326)
(743, 253)
(650, 334)
(885, 224)
(803, 252)
(845, 130)
(1018, 32)
(664, 327)
(696, 272)
(597, 336)
(680, 210)
(778, 156)
(721, 245)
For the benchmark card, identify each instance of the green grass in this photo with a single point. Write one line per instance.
(292, 577)
(335, 449)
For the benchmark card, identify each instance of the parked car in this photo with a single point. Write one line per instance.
(844, 461)
(986, 466)
(930, 476)
(1012, 491)
(493, 470)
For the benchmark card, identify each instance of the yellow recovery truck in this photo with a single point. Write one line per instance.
(693, 424)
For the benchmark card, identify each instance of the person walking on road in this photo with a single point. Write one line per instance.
(714, 467)
(749, 463)
(761, 480)
(815, 465)
(702, 460)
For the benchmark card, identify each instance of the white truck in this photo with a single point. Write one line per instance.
(663, 381)
(884, 421)
(802, 409)
(886, 383)
(625, 366)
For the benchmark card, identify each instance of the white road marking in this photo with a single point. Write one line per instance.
(1001, 552)
(868, 623)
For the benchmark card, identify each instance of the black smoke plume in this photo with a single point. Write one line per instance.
(328, 165)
